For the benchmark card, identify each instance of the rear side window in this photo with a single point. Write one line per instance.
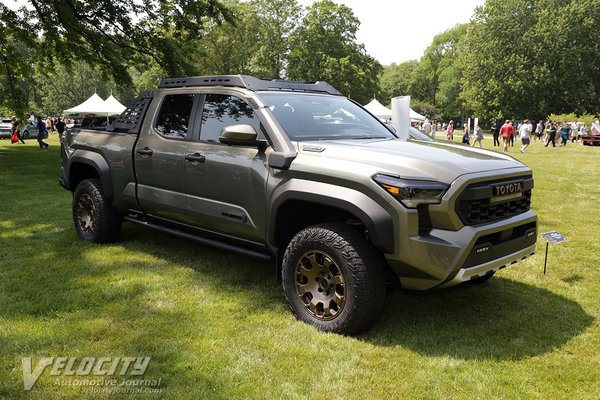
(221, 110)
(174, 116)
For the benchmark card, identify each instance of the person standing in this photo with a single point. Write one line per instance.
(565, 131)
(525, 135)
(539, 129)
(582, 132)
(478, 136)
(574, 130)
(42, 132)
(507, 131)
(496, 132)
(14, 126)
(426, 127)
(466, 139)
(60, 128)
(450, 131)
(551, 132)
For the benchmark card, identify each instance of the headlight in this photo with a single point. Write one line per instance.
(411, 193)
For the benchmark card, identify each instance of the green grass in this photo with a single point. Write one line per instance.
(216, 325)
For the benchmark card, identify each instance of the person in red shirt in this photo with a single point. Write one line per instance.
(507, 130)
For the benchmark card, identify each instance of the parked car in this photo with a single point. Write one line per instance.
(29, 130)
(5, 128)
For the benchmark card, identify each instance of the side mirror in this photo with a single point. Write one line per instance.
(241, 135)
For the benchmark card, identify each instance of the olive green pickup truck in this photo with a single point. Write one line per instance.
(299, 174)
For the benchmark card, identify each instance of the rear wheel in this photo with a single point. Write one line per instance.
(95, 219)
(26, 134)
(333, 279)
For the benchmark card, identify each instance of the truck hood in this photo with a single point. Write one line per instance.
(443, 162)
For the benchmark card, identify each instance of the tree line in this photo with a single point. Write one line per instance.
(516, 58)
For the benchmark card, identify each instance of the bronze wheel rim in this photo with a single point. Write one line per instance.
(86, 214)
(320, 285)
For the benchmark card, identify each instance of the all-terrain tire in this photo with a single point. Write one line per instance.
(333, 279)
(95, 219)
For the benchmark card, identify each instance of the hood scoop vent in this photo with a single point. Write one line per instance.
(313, 148)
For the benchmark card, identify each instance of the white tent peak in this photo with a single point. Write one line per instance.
(113, 106)
(378, 109)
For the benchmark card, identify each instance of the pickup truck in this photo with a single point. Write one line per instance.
(297, 173)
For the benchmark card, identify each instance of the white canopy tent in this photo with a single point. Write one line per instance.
(93, 105)
(381, 111)
(97, 107)
(416, 117)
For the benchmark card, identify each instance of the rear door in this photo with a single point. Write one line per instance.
(160, 157)
(226, 184)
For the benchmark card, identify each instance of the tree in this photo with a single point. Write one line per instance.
(529, 58)
(396, 80)
(277, 20)
(227, 48)
(324, 47)
(107, 33)
(436, 80)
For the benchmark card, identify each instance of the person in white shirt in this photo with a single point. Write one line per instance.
(574, 130)
(525, 134)
(426, 127)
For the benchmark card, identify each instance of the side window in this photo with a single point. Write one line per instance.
(174, 115)
(221, 110)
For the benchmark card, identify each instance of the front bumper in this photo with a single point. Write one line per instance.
(444, 258)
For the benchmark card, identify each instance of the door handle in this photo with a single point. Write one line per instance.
(144, 152)
(196, 157)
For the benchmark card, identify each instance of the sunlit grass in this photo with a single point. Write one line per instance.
(216, 325)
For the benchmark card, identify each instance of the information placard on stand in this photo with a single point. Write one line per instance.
(553, 237)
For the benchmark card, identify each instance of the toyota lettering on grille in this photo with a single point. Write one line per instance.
(507, 189)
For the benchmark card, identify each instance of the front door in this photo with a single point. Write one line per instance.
(226, 184)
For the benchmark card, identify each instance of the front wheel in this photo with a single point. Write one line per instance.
(333, 279)
(95, 219)
(26, 134)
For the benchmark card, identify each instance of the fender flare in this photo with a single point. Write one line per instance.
(376, 219)
(98, 163)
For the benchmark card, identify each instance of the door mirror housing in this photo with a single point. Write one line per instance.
(241, 135)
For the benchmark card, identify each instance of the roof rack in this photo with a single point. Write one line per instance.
(249, 82)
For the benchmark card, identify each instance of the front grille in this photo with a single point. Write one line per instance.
(477, 204)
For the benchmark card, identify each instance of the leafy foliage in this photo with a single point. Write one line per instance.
(110, 34)
(533, 57)
(324, 48)
(396, 80)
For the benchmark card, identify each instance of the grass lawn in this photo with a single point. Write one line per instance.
(216, 326)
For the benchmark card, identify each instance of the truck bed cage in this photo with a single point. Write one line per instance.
(249, 82)
(130, 121)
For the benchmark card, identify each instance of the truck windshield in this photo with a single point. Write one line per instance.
(323, 117)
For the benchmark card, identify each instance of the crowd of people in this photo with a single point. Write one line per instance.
(547, 132)
(43, 126)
